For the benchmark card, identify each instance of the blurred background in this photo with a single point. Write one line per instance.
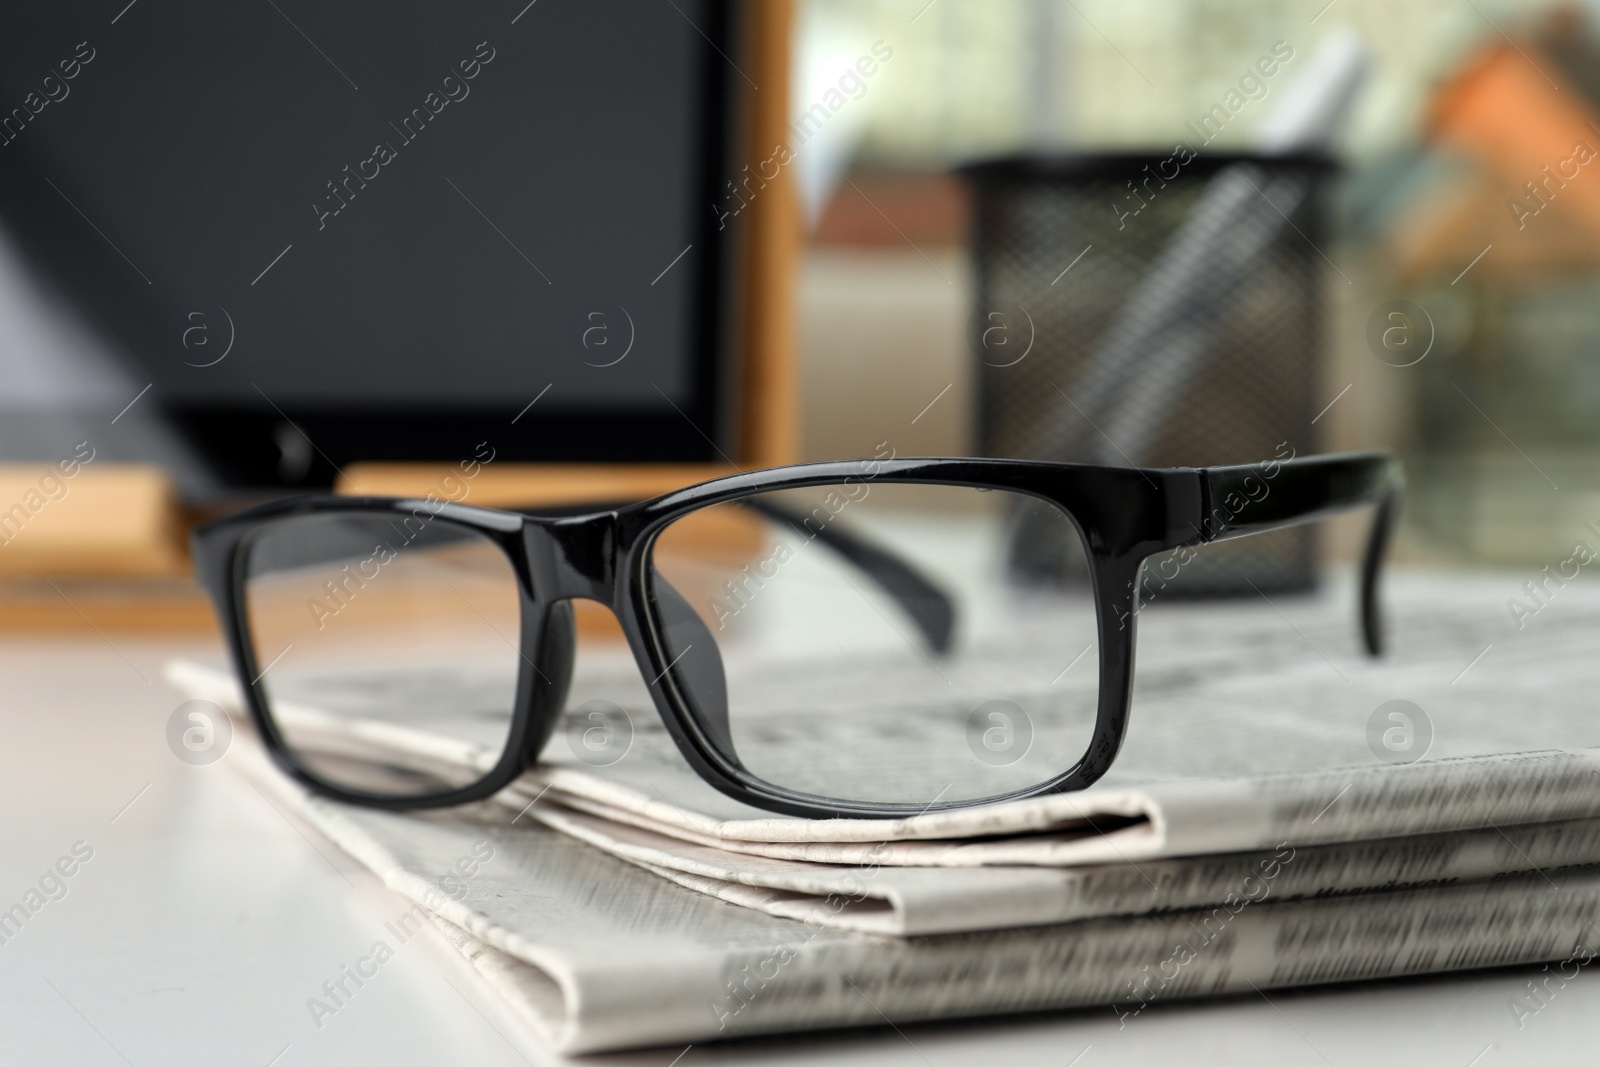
(987, 194)
(1499, 411)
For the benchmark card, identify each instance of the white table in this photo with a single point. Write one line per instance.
(205, 919)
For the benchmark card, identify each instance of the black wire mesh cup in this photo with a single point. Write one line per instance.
(1154, 310)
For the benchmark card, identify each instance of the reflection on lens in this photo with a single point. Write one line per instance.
(386, 646)
(882, 642)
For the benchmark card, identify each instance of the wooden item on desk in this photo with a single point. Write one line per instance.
(512, 485)
(101, 548)
(141, 605)
(102, 521)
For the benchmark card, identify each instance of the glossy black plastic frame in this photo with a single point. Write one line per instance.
(1123, 514)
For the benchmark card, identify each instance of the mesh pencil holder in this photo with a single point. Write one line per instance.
(1154, 310)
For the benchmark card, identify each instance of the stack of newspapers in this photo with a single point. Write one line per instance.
(1264, 827)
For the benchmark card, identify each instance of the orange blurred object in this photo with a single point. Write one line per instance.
(1540, 138)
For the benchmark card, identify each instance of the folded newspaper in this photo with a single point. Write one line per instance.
(1249, 834)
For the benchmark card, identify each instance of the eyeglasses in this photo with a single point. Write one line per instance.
(849, 639)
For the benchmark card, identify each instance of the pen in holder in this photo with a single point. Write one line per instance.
(1153, 310)
(1164, 310)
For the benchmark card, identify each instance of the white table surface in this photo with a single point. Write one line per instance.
(205, 920)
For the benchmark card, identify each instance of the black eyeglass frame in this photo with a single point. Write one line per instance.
(1124, 515)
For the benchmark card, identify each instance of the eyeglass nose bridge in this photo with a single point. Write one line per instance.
(573, 556)
(577, 556)
(568, 557)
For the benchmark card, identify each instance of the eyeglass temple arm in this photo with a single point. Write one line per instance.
(1254, 498)
(928, 606)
